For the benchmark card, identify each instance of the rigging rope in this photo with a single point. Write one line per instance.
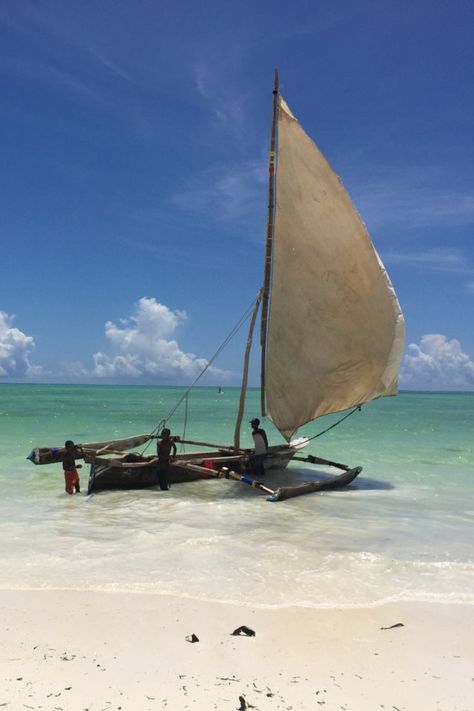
(245, 316)
(186, 404)
(335, 424)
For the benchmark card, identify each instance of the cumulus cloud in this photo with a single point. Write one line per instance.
(74, 369)
(142, 347)
(15, 349)
(437, 363)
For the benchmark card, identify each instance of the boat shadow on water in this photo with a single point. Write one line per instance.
(278, 479)
(368, 484)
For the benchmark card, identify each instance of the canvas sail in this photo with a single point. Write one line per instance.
(335, 330)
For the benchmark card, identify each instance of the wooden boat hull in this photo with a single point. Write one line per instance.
(104, 478)
(120, 474)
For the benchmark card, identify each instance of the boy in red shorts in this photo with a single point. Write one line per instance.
(71, 476)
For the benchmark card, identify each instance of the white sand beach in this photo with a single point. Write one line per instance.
(96, 651)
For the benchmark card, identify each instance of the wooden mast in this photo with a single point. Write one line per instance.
(245, 372)
(269, 247)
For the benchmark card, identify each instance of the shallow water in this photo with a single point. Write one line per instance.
(403, 530)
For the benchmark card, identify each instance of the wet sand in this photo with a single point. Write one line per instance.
(68, 651)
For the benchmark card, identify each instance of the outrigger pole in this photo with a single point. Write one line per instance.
(283, 492)
(225, 473)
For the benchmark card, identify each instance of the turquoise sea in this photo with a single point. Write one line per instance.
(403, 531)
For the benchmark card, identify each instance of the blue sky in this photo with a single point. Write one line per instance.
(133, 174)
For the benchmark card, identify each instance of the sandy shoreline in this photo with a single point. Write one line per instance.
(64, 651)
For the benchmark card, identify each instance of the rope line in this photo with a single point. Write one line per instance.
(183, 436)
(335, 424)
(245, 316)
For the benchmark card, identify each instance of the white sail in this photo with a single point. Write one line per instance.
(335, 332)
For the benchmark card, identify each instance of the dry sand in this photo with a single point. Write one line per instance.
(68, 651)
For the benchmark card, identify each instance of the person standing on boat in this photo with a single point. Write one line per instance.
(257, 459)
(166, 454)
(71, 477)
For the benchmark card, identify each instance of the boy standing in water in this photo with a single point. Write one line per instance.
(70, 467)
(166, 454)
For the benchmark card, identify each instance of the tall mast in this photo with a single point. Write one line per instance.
(245, 373)
(269, 247)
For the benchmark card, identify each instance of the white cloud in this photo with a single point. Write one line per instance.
(438, 364)
(15, 349)
(226, 195)
(74, 369)
(142, 346)
(223, 101)
(443, 259)
(412, 198)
